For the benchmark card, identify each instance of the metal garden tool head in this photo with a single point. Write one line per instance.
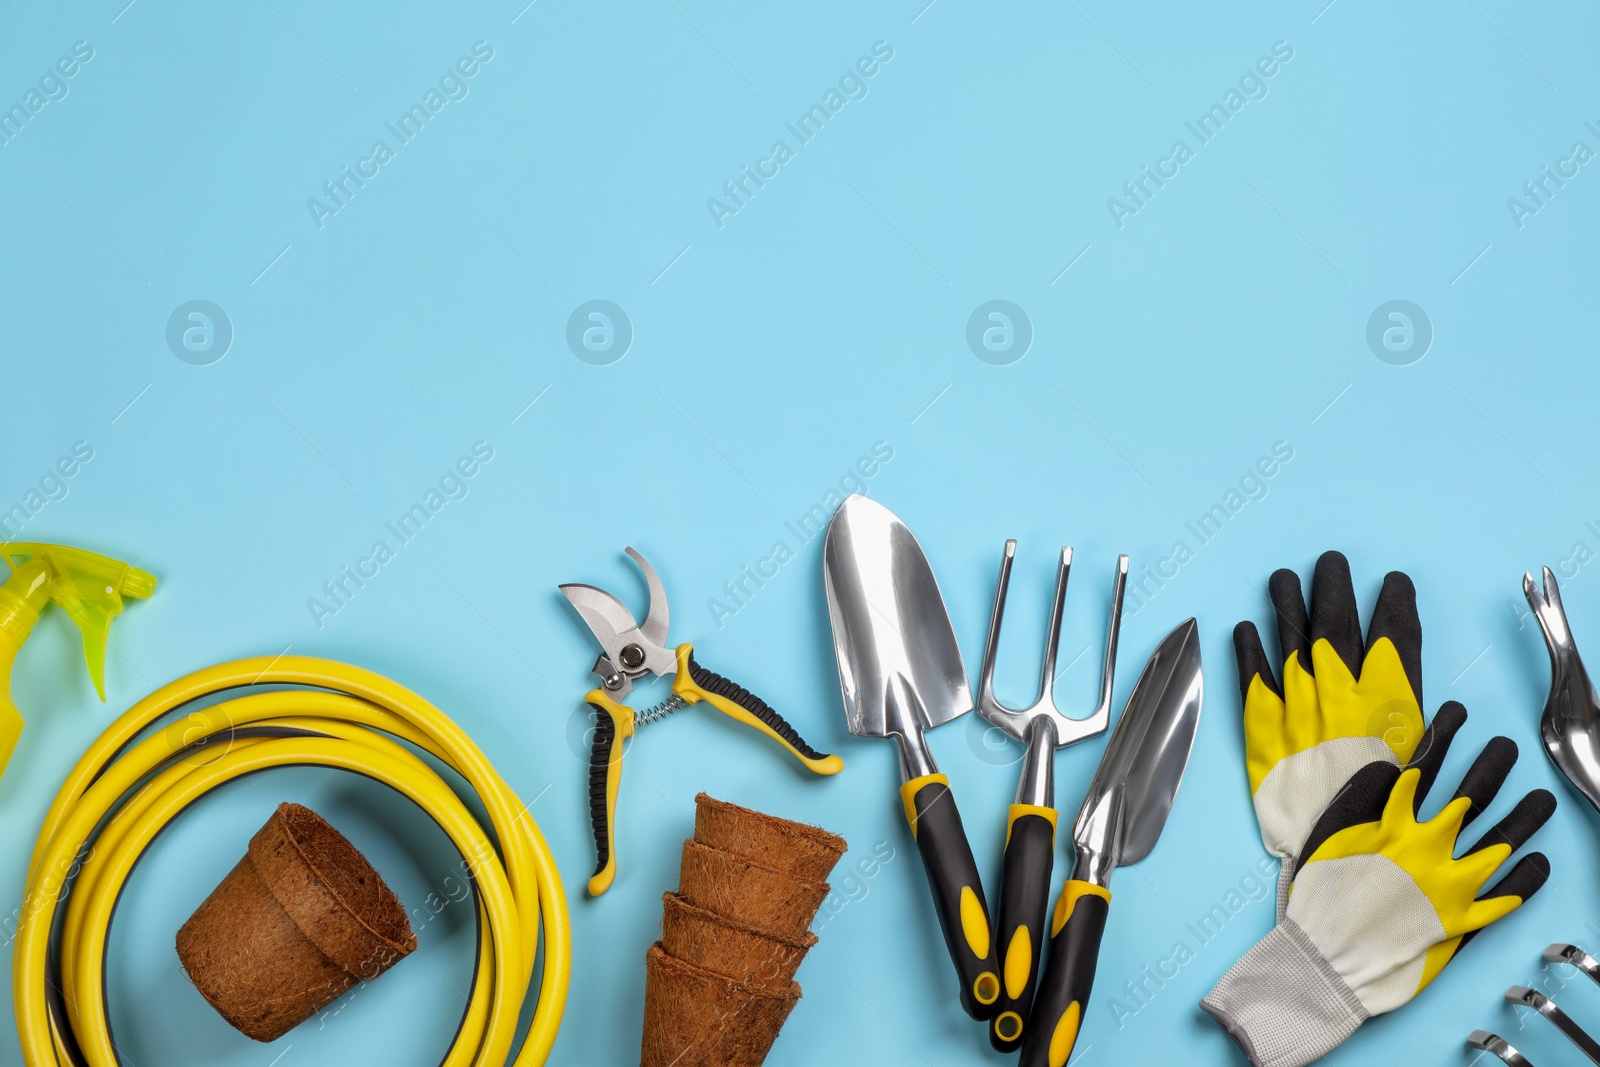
(1127, 803)
(1042, 726)
(900, 668)
(629, 649)
(1571, 721)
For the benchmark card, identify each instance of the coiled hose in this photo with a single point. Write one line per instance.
(121, 794)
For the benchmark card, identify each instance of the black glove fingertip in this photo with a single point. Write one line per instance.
(1435, 745)
(1395, 617)
(1486, 775)
(1289, 605)
(1525, 879)
(1333, 609)
(1252, 659)
(1530, 813)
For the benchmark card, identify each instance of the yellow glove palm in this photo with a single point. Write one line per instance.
(1328, 703)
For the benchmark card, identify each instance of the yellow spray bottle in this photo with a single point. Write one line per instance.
(88, 587)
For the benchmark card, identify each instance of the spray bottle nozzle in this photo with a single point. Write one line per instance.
(89, 587)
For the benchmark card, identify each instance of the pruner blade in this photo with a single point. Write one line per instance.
(630, 649)
(655, 622)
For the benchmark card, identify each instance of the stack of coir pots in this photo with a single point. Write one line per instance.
(720, 982)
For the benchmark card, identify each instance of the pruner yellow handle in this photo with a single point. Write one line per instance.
(694, 683)
(613, 725)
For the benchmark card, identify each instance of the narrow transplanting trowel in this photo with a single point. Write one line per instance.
(901, 673)
(1119, 823)
(1571, 722)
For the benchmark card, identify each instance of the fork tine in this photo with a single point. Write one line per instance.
(1052, 641)
(1113, 631)
(986, 672)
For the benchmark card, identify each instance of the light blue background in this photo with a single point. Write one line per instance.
(830, 313)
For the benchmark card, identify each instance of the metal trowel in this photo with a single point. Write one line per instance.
(1571, 722)
(901, 673)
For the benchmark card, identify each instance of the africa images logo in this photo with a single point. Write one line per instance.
(1251, 87)
(452, 85)
(851, 88)
(52, 87)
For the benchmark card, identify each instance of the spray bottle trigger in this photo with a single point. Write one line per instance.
(89, 587)
(95, 623)
(99, 602)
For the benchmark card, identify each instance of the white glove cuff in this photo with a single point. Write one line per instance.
(1283, 1003)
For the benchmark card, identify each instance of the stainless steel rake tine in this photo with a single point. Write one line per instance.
(1532, 998)
(1575, 956)
(1498, 1047)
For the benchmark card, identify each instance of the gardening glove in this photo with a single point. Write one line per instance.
(1339, 708)
(1380, 904)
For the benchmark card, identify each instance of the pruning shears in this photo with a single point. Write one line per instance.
(631, 650)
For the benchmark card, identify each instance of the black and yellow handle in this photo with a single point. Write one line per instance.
(957, 891)
(694, 683)
(612, 726)
(1075, 931)
(1019, 930)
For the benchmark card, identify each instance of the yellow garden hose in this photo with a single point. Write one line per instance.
(135, 787)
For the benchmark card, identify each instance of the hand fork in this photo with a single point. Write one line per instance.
(1031, 825)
